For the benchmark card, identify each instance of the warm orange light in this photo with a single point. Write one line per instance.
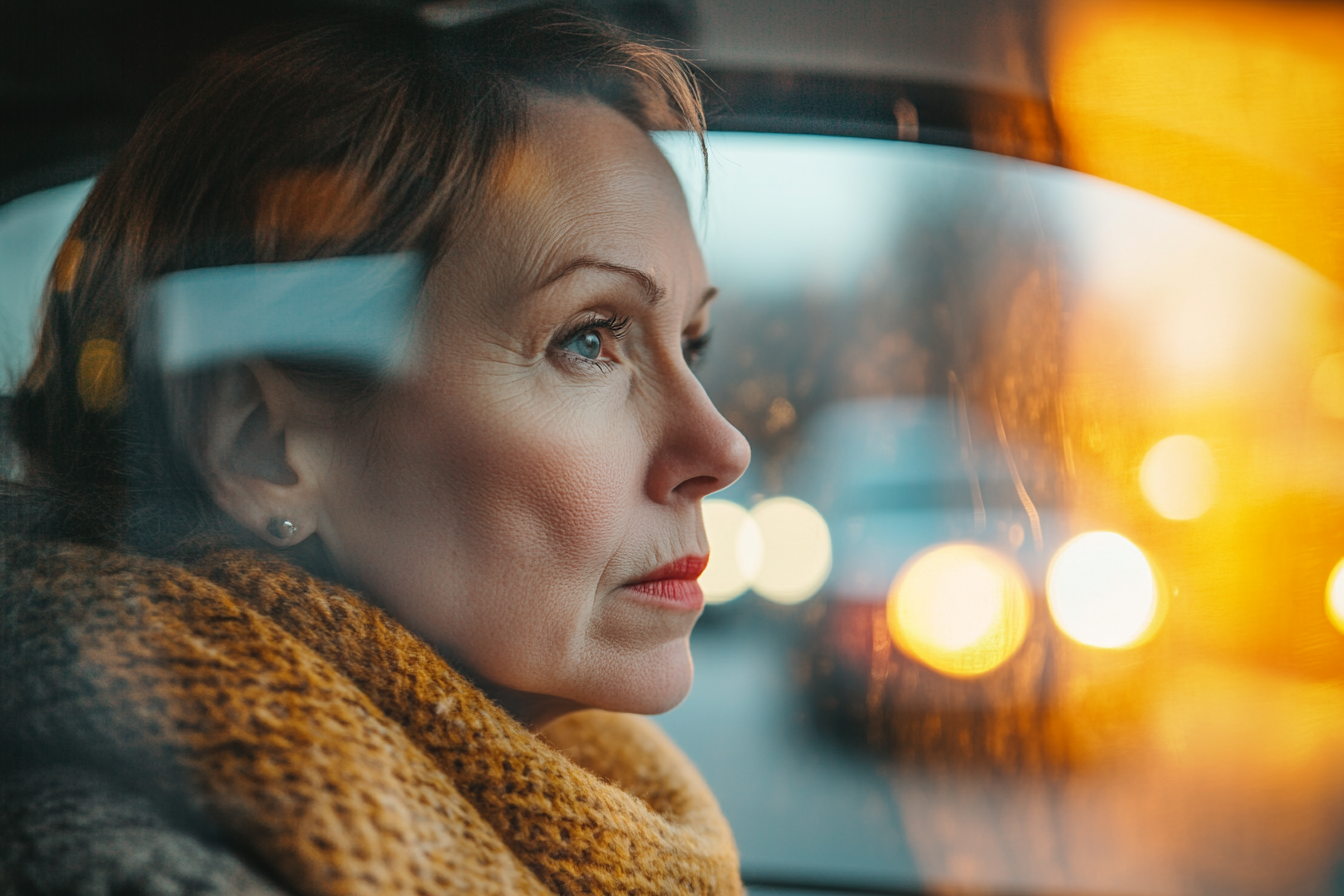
(961, 609)
(101, 374)
(1334, 596)
(1179, 477)
(1102, 591)
(1234, 108)
(66, 269)
(1327, 386)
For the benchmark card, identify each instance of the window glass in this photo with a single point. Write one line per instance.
(1029, 586)
(1032, 584)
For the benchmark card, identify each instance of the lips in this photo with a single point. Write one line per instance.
(688, 567)
(675, 583)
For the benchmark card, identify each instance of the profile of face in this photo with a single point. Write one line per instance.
(527, 496)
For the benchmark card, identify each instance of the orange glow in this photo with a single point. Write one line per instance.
(308, 207)
(1197, 332)
(961, 609)
(100, 374)
(1179, 477)
(1232, 108)
(1327, 386)
(1102, 591)
(67, 264)
(1334, 596)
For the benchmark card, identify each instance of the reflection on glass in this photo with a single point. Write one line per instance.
(797, 556)
(959, 608)
(32, 232)
(101, 375)
(354, 309)
(1179, 477)
(735, 551)
(1102, 591)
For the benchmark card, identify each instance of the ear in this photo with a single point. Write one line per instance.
(256, 453)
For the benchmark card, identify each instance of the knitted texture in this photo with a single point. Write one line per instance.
(66, 830)
(330, 743)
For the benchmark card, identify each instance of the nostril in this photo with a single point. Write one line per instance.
(700, 486)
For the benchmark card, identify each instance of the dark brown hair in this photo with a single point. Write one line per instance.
(349, 137)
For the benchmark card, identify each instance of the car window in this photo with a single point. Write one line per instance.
(1031, 585)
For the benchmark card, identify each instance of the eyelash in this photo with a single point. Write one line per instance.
(694, 349)
(616, 326)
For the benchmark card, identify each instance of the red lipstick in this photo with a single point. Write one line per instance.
(675, 583)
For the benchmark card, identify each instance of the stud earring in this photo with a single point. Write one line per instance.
(282, 529)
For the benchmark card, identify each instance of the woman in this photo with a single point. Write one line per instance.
(201, 695)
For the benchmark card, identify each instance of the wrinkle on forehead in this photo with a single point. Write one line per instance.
(579, 183)
(574, 146)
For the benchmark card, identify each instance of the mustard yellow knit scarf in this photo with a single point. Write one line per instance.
(330, 743)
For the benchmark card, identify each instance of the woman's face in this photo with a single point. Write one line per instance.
(549, 452)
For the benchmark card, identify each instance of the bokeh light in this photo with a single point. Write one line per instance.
(1102, 591)
(735, 551)
(797, 555)
(1179, 477)
(1334, 596)
(961, 609)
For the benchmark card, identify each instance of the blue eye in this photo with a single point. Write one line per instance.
(586, 339)
(587, 344)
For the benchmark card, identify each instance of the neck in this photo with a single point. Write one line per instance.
(535, 711)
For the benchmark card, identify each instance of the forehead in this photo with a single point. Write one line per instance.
(587, 181)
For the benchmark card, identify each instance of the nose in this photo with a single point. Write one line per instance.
(699, 451)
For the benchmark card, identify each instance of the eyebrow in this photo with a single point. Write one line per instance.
(653, 293)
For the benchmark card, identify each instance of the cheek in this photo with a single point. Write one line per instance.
(494, 524)
(550, 492)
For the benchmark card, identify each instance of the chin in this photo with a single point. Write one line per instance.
(649, 684)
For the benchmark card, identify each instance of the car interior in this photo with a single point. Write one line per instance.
(1033, 315)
